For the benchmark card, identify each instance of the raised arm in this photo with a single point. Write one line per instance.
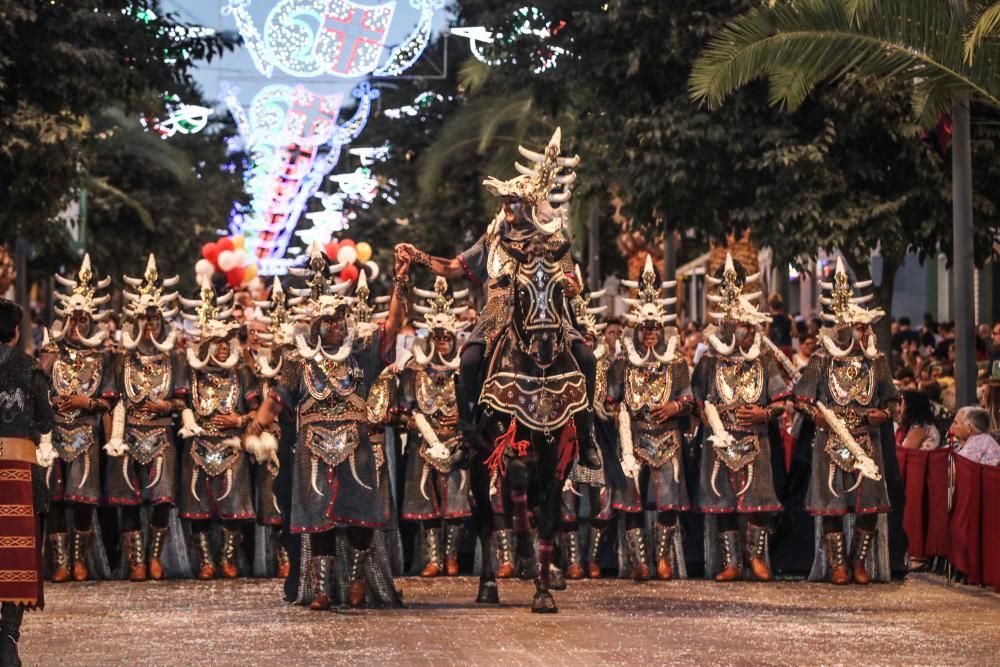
(439, 266)
(397, 307)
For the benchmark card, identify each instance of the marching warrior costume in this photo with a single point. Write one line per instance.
(83, 387)
(592, 483)
(437, 485)
(326, 385)
(656, 394)
(142, 454)
(215, 469)
(25, 415)
(739, 385)
(847, 389)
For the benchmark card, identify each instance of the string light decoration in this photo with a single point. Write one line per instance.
(369, 155)
(340, 38)
(181, 119)
(528, 22)
(295, 141)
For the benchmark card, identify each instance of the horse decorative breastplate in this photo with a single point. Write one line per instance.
(851, 380)
(214, 393)
(325, 378)
(647, 387)
(77, 372)
(739, 380)
(436, 392)
(148, 377)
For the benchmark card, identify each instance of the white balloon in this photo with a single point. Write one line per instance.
(373, 270)
(347, 255)
(227, 260)
(203, 267)
(241, 256)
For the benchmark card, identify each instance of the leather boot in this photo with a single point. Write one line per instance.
(839, 574)
(572, 541)
(81, 544)
(60, 558)
(505, 553)
(357, 588)
(593, 549)
(732, 555)
(432, 552)
(664, 551)
(284, 565)
(859, 552)
(589, 455)
(158, 536)
(10, 633)
(636, 543)
(452, 533)
(321, 583)
(757, 550)
(227, 564)
(206, 565)
(136, 551)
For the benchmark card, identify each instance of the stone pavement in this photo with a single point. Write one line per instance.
(923, 621)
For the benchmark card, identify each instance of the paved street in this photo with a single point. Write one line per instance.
(187, 623)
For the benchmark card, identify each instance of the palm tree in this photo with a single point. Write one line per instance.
(945, 52)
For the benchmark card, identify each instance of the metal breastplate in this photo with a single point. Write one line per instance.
(739, 380)
(214, 393)
(851, 379)
(325, 378)
(435, 392)
(499, 263)
(77, 372)
(647, 387)
(148, 377)
(214, 455)
(332, 444)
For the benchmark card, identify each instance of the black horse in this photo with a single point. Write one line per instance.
(533, 396)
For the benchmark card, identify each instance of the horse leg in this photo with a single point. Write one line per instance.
(483, 518)
(548, 523)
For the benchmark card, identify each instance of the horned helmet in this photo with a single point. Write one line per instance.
(649, 309)
(845, 311)
(214, 326)
(440, 319)
(148, 301)
(322, 299)
(587, 312)
(80, 307)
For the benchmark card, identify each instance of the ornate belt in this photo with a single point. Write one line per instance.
(18, 449)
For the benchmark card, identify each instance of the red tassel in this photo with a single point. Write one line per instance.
(569, 449)
(495, 462)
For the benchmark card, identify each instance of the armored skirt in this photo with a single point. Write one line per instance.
(147, 472)
(433, 490)
(745, 489)
(215, 474)
(335, 481)
(836, 491)
(75, 476)
(660, 485)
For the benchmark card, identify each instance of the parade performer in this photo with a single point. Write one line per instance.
(142, 455)
(75, 355)
(528, 224)
(656, 395)
(847, 389)
(593, 484)
(739, 385)
(25, 417)
(215, 469)
(278, 342)
(436, 491)
(326, 385)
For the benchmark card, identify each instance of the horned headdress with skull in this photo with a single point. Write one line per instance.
(321, 298)
(586, 310)
(214, 326)
(732, 306)
(440, 314)
(148, 295)
(82, 298)
(648, 309)
(280, 335)
(843, 310)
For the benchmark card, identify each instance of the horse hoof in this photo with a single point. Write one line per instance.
(557, 579)
(543, 603)
(488, 593)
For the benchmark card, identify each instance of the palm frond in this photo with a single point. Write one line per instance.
(128, 138)
(141, 211)
(473, 75)
(796, 45)
(987, 26)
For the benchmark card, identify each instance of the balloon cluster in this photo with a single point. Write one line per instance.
(227, 256)
(346, 251)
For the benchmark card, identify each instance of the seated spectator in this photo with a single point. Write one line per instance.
(971, 430)
(942, 415)
(916, 429)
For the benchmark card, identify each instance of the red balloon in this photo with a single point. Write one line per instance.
(349, 273)
(210, 251)
(349, 242)
(235, 277)
(331, 249)
(225, 244)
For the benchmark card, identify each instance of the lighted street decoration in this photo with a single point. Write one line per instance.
(421, 103)
(529, 21)
(181, 119)
(340, 38)
(369, 155)
(295, 142)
